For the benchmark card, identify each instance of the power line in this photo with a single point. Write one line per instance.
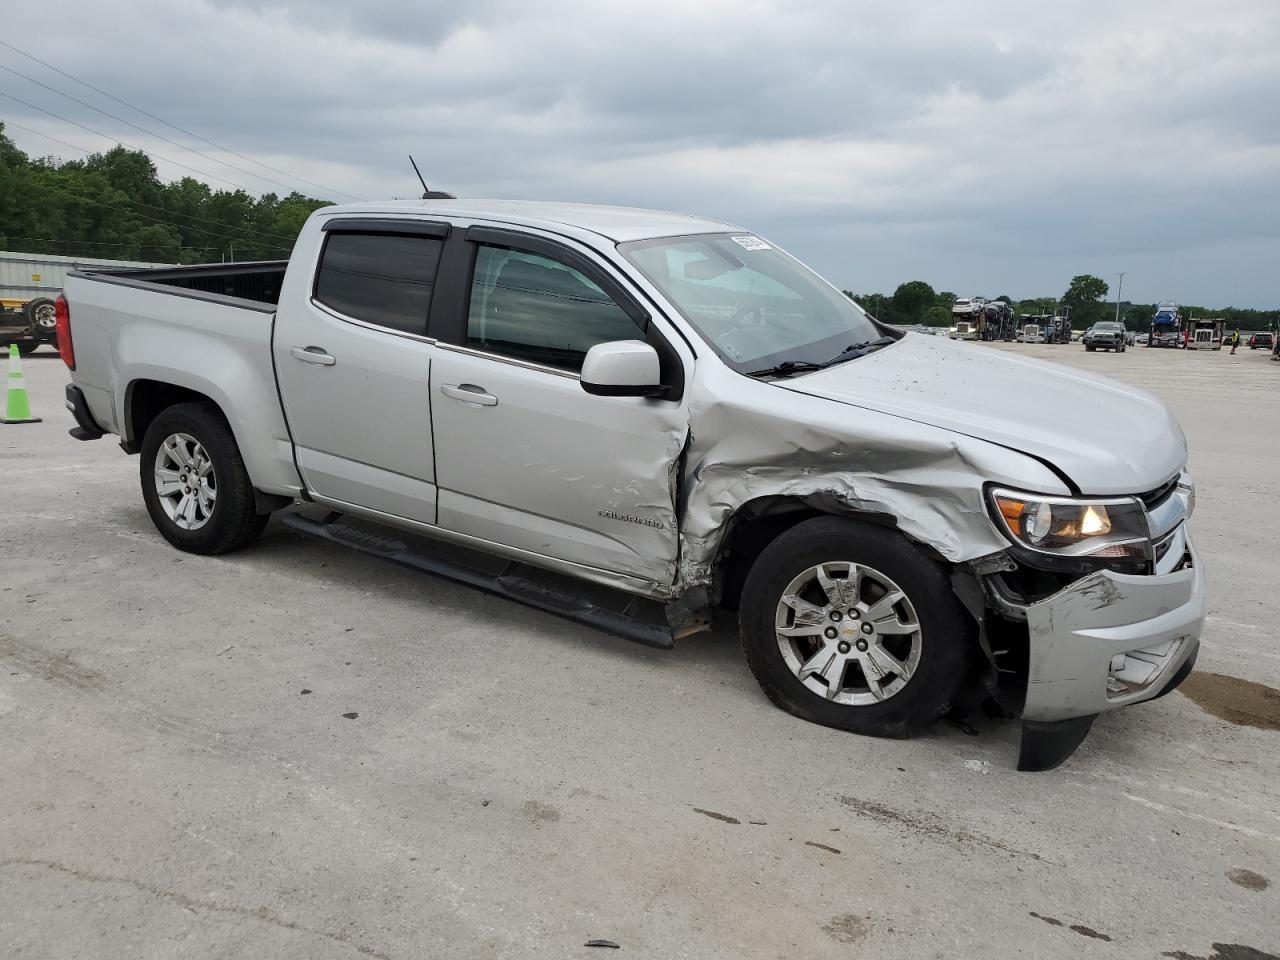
(248, 232)
(194, 136)
(150, 133)
(95, 243)
(98, 133)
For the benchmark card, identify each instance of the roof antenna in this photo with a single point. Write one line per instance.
(427, 192)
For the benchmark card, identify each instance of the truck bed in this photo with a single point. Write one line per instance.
(251, 284)
(139, 332)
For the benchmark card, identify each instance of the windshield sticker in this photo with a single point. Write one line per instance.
(751, 243)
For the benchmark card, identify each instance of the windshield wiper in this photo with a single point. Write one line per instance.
(853, 351)
(786, 367)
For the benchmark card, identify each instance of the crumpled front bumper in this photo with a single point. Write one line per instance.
(1107, 641)
(1077, 634)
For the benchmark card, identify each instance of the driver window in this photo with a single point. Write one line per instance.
(534, 308)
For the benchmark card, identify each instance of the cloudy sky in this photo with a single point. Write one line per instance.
(986, 148)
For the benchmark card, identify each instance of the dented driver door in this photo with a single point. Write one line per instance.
(525, 457)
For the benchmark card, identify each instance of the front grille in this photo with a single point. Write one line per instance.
(1153, 498)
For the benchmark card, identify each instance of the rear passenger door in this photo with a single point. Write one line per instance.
(525, 456)
(354, 364)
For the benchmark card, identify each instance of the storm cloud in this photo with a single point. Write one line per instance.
(987, 148)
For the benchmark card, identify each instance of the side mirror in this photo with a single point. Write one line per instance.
(622, 368)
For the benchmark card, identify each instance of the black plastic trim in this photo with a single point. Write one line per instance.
(422, 228)
(611, 390)
(1046, 746)
(447, 317)
(87, 428)
(194, 270)
(1179, 675)
(604, 608)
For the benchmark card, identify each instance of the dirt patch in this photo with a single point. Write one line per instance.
(1248, 879)
(846, 928)
(1224, 951)
(821, 846)
(1079, 928)
(539, 812)
(722, 817)
(57, 667)
(1237, 701)
(933, 827)
(198, 905)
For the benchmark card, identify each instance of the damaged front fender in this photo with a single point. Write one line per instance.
(751, 439)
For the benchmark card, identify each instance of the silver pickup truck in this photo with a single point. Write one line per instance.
(643, 420)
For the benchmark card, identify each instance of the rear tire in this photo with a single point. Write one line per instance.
(41, 318)
(927, 667)
(210, 507)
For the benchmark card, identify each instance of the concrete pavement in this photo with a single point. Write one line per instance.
(296, 751)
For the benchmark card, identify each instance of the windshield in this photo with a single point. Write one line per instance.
(1110, 327)
(757, 306)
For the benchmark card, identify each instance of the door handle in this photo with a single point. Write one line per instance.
(469, 393)
(312, 355)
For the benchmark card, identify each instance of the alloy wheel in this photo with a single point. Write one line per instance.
(185, 481)
(848, 633)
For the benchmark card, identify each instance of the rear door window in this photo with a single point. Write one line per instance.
(381, 278)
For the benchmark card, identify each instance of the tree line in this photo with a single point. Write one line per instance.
(916, 302)
(114, 206)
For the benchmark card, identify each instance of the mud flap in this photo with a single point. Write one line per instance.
(1045, 746)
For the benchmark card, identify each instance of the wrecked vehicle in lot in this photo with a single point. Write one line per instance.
(637, 419)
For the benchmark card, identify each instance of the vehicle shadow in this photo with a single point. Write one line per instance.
(715, 653)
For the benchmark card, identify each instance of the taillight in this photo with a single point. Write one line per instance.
(62, 312)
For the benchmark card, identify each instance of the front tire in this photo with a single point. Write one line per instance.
(194, 481)
(852, 626)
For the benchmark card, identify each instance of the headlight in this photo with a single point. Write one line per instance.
(1114, 528)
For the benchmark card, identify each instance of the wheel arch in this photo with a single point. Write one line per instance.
(145, 399)
(758, 522)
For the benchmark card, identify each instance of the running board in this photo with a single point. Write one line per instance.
(613, 611)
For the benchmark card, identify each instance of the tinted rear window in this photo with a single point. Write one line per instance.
(380, 278)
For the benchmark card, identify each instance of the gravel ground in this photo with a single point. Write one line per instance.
(296, 751)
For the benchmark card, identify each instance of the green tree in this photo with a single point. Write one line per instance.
(1034, 306)
(946, 298)
(938, 316)
(1084, 298)
(912, 297)
(114, 205)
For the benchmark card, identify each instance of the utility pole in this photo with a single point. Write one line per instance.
(1119, 287)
